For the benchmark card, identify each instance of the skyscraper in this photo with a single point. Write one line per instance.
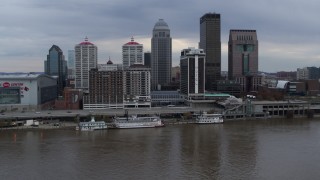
(243, 58)
(243, 53)
(55, 65)
(192, 62)
(210, 42)
(161, 55)
(86, 55)
(132, 52)
(71, 63)
(147, 59)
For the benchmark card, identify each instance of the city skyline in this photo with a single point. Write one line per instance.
(289, 40)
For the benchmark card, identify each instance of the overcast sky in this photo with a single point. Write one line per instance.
(288, 30)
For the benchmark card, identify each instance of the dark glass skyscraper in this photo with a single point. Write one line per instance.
(147, 59)
(210, 42)
(161, 55)
(55, 65)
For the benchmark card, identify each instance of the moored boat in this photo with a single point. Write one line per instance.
(91, 125)
(137, 122)
(205, 118)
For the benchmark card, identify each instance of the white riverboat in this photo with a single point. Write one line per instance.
(205, 118)
(91, 125)
(138, 122)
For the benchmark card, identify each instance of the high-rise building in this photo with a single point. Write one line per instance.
(86, 54)
(243, 53)
(161, 55)
(243, 59)
(71, 64)
(210, 42)
(132, 52)
(137, 80)
(147, 59)
(55, 65)
(105, 90)
(192, 67)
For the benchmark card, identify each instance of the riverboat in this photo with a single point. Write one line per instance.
(91, 125)
(205, 118)
(137, 122)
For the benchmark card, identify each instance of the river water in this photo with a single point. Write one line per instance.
(263, 149)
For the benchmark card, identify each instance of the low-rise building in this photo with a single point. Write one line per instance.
(27, 91)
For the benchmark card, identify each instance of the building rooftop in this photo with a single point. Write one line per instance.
(137, 65)
(132, 42)
(86, 42)
(161, 25)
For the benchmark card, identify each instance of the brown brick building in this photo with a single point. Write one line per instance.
(105, 90)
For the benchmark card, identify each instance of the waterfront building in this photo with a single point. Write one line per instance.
(105, 90)
(231, 87)
(192, 62)
(72, 99)
(163, 98)
(243, 59)
(71, 64)
(137, 83)
(86, 54)
(210, 42)
(147, 59)
(132, 52)
(161, 55)
(27, 91)
(55, 65)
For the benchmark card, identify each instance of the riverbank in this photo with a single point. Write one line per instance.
(64, 125)
(167, 121)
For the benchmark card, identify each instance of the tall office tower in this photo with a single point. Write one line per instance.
(71, 64)
(161, 55)
(147, 59)
(132, 52)
(210, 42)
(192, 62)
(86, 55)
(243, 58)
(55, 65)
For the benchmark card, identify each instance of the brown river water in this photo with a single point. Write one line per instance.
(260, 149)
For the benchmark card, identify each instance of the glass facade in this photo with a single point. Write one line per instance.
(10, 96)
(57, 66)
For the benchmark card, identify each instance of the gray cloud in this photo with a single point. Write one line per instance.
(288, 30)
